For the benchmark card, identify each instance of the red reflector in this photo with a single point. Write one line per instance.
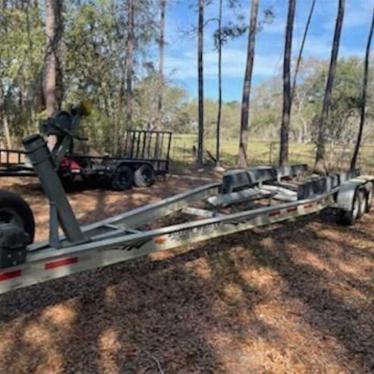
(58, 263)
(10, 275)
(308, 206)
(277, 213)
(160, 239)
(293, 209)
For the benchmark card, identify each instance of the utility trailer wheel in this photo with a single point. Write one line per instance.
(350, 217)
(144, 176)
(122, 179)
(68, 182)
(15, 210)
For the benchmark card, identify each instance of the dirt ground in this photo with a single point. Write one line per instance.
(294, 298)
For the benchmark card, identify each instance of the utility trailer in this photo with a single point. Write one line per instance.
(244, 200)
(13, 162)
(145, 155)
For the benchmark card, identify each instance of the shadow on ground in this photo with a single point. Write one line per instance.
(294, 298)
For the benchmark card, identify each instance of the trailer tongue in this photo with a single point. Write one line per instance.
(244, 200)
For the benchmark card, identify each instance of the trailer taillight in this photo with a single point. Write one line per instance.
(10, 275)
(59, 263)
(274, 214)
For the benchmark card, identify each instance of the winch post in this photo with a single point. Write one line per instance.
(44, 167)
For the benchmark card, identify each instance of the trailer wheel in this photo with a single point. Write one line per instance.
(350, 217)
(68, 182)
(144, 176)
(15, 210)
(122, 178)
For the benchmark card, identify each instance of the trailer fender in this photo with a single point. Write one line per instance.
(348, 191)
(137, 164)
(369, 191)
(113, 165)
(368, 184)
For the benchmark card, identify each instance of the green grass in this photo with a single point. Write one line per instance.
(266, 152)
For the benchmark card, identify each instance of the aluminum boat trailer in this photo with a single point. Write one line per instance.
(244, 200)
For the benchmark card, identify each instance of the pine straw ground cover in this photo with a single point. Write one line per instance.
(297, 297)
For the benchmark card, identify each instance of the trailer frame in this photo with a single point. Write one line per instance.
(126, 236)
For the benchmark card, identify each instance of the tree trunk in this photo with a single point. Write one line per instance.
(161, 45)
(29, 91)
(363, 96)
(4, 117)
(219, 113)
(8, 138)
(200, 46)
(129, 61)
(3, 111)
(299, 57)
(119, 117)
(321, 140)
(286, 113)
(243, 136)
(54, 29)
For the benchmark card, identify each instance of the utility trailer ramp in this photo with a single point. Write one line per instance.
(147, 229)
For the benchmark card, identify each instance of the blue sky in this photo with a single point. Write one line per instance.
(180, 58)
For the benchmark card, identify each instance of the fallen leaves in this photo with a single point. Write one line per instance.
(292, 298)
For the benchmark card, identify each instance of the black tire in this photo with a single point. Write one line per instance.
(350, 217)
(13, 209)
(68, 182)
(122, 179)
(144, 176)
